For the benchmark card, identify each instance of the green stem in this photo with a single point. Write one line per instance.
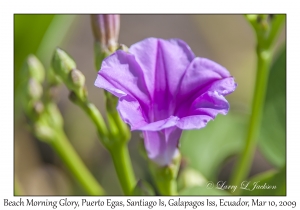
(118, 128)
(118, 134)
(244, 162)
(115, 141)
(266, 33)
(98, 120)
(118, 149)
(276, 26)
(94, 114)
(69, 156)
(165, 176)
(167, 187)
(122, 163)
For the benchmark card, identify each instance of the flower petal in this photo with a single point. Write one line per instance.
(200, 73)
(202, 76)
(162, 146)
(146, 55)
(194, 122)
(131, 112)
(163, 63)
(121, 75)
(223, 86)
(160, 125)
(209, 103)
(203, 109)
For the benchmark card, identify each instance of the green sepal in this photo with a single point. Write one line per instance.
(165, 176)
(100, 53)
(118, 128)
(123, 47)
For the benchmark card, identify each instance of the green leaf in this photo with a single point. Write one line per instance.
(202, 190)
(272, 183)
(29, 30)
(207, 148)
(272, 140)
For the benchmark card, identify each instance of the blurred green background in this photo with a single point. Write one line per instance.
(211, 152)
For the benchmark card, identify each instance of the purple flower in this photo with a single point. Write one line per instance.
(162, 89)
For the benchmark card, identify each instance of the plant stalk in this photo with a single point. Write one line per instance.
(243, 165)
(122, 163)
(69, 156)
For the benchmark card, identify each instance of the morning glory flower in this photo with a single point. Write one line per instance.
(163, 89)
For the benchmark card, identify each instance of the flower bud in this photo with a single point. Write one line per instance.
(62, 63)
(106, 30)
(76, 78)
(34, 89)
(43, 132)
(65, 68)
(32, 92)
(33, 68)
(38, 107)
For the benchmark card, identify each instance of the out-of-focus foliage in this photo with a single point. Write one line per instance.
(29, 31)
(203, 190)
(207, 148)
(39, 35)
(274, 180)
(273, 131)
(190, 177)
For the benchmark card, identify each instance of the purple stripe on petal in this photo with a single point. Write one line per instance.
(211, 104)
(163, 63)
(200, 73)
